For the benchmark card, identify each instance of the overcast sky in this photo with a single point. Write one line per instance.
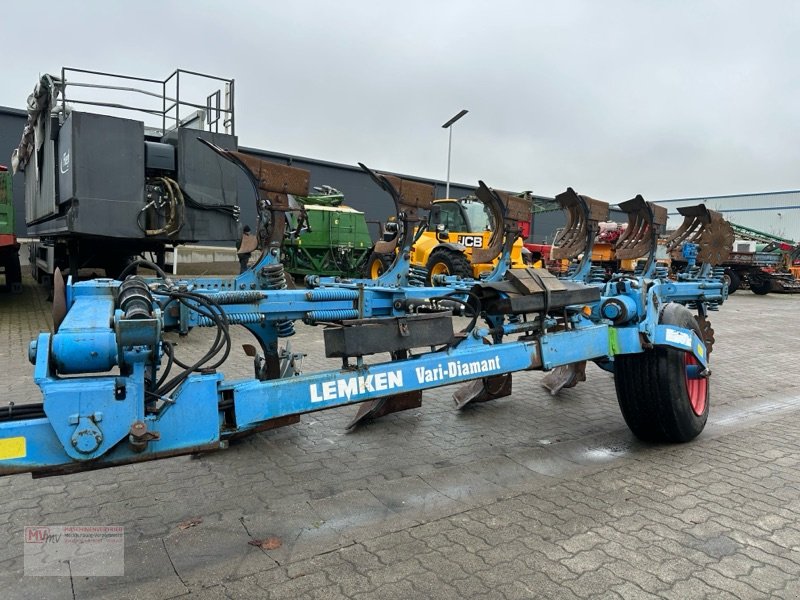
(666, 99)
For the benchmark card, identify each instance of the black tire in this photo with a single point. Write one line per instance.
(13, 273)
(654, 394)
(734, 281)
(760, 283)
(377, 265)
(444, 261)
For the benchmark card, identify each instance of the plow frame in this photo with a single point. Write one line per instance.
(88, 421)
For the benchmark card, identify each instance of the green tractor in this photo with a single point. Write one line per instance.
(326, 238)
(9, 247)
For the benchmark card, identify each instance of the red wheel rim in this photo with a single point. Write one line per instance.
(696, 388)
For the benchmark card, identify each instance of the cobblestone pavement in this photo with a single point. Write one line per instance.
(524, 497)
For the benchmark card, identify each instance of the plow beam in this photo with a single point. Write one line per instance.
(706, 228)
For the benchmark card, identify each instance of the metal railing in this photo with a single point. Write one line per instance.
(173, 111)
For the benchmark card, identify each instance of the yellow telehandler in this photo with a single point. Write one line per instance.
(456, 227)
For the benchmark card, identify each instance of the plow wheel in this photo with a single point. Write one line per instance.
(447, 262)
(658, 399)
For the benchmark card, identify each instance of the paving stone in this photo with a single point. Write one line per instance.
(16, 585)
(358, 514)
(413, 495)
(208, 554)
(301, 531)
(461, 483)
(149, 573)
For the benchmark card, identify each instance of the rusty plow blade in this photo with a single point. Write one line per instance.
(583, 217)
(379, 407)
(507, 211)
(483, 390)
(409, 198)
(565, 376)
(273, 184)
(59, 299)
(374, 409)
(645, 221)
(706, 228)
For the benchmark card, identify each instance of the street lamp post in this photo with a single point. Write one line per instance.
(449, 125)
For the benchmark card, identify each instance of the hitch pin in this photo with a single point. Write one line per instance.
(165, 399)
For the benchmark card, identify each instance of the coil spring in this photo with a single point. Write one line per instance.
(710, 305)
(233, 319)
(662, 272)
(331, 294)
(275, 278)
(597, 275)
(244, 297)
(417, 276)
(571, 270)
(717, 273)
(339, 314)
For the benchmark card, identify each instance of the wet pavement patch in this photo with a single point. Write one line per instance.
(717, 546)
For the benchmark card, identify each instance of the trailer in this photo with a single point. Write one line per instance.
(9, 246)
(759, 261)
(103, 184)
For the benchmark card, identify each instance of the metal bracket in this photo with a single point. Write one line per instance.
(139, 436)
(87, 436)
